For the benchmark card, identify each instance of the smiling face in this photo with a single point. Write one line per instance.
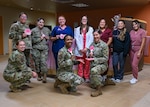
(96, 35)
(40, 23)
(61, 20)
(21, 46)
(84, 20)
(102, 23)
(68, 41)
(136, 26)
(23, 18)
(121, 25)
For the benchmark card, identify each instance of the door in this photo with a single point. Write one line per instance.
(1, 36)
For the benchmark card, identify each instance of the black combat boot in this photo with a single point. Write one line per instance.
(39, 76)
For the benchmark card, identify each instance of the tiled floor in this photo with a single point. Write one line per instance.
(44, 95)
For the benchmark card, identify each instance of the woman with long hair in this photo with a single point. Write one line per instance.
(106, 36)
(83, 37)
(138, 38)
(121, 47)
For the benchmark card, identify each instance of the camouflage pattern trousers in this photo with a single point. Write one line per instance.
(95, 75)
(17, 79)
(40, 57)
(27, 55)
(71, 78)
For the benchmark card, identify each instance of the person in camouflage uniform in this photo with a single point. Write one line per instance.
(40, 37)
(66, 78)
(18, 32)
(98, 56)
(16, 71)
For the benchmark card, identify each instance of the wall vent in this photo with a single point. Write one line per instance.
(80, 5)
(63, 1)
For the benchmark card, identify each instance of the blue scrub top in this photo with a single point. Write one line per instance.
(59, 43)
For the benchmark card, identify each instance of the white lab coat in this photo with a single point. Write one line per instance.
(79, 40)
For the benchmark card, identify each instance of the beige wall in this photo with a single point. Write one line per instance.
(9, 15)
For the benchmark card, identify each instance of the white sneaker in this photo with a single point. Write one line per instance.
(113, 79)
(133, 81)
(87, 80)
(118, 80)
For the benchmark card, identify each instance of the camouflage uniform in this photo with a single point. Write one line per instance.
(15, 33)
(40, 48)
(16, 71)
(99, 65)
(65, 68)
(40, 51)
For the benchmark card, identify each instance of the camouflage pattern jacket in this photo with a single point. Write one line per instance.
(15, 33)
(100, 53)
(16, 63)
(36, 38)
(65, 64)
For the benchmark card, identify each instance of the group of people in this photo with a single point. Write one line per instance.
(91, 52)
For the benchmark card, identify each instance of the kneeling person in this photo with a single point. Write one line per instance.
(17, 72)
(98, 56)
(66, 78)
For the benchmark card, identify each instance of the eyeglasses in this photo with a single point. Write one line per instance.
(84, 19)
(23, 17)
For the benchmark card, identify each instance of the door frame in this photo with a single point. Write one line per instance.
(1, 36)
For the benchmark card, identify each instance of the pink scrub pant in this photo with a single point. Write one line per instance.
(135, 60)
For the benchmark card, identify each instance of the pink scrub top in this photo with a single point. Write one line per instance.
(136, 38)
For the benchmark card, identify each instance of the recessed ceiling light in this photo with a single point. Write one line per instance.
(63, 1)
(31, 8)
(80, 5)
